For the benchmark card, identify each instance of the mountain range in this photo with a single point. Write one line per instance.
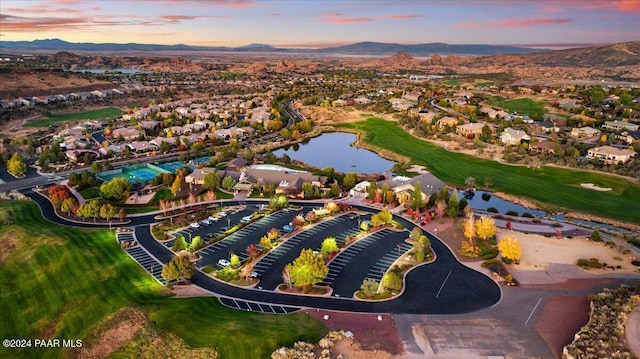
(360, 48)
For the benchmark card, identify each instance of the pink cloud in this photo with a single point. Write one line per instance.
(41, 10)
(338, 18)
(515, 23)
(242, 4)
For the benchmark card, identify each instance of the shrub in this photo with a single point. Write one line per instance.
(512, 213)
(507, 260)
(590, 263)
(493, 241)
(636, 263)
(528, 215)
(487, 263)
(493, 210)
(536, 220)
(595, 236)
(420, 256)
(488, 256)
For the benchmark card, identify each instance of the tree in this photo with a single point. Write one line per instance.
(252, 251)
(180, 244)
(266, 243)
(16, 165)
(332, 207)
(247, 271)
(422, 246)
(211, 180)
(329, 246)
(68, 205)
(235, 261)
(470, 227)
(452, 212)
(92, 209)
(416, 232)
(372, 191)
(278, 202)
(488, 182)
(350, 180)
(116, 189)
(298, 221)
(107, 211)
(285, 134)
(596, 236)
(179, 267)
(307, 189)
(392, 281)
(228, 182)
(441, 207)
(196, 243)
(417, 202)
(470, 183)
(308, 269)
(122, 214)
(510, 248)
(329, 172)
(334, 191)
(176, 185)
(485, 227)
(369, 287)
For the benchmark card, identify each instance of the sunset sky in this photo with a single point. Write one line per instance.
(309, 23)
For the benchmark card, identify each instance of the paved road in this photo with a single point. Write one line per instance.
(443, 287)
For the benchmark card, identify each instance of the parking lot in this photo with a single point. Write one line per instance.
(270, 267)
(146, 261)
(369, 257)
(237, 242)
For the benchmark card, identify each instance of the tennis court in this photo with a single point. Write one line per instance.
(139, 175)
(172, 167)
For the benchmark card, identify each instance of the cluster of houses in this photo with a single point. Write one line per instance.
(74, 96)
(403, 187)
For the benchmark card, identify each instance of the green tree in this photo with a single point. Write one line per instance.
(596, 236)
(180, 244)
(369, 287)
(16, 165)
(211, 180)
(372, 190)
(416, 232)
(308, 190)
(329, 172)
(235, 261)
(278, 202)
(416, 201)
(96, 167)
(392, 281)
(329, 245)
(488, 182)
(196, 243)
(285, 134)
(228, 182)
(116, 189)
(179, 267)
(308, 269)
(334, 191)
(350, 180)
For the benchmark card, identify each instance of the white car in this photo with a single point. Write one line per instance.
(194, 225)
(213, 219)
(224, 262)
(222, 214)
(206, 221)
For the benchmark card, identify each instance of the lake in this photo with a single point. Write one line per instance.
(335, 150)
(484, 200)
(102, 71)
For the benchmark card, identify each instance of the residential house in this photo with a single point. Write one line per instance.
(141, 146)
(470, 129)
(548, 126)
(618, 125)
(426, 116)
(545, 147)
(339, 103)
(128, 133)
(148, 125)
(400, 104)
(159, 140)
(197, 176)
(403, 187)
(609, 154)
(584, 132)
(360, 189)
(513, 137)
(116, 150)
(447, 121)
(237, 164)
(362, 100)
(631, 137)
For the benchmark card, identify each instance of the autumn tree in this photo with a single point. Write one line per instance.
(16, 165)
(235, 261)
(107, 211)
(510, 248)
(252, 251)
(470, 183)
(69, 205)
(441, 207)
(329, 245)
(266, 243)
(485, 227)
(470, 230)
(177, 184)
(179, 267)
(298, 221)
(246, 271)
(308, 269)
(332, 207)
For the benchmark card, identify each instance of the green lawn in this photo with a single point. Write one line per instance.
(91, 192)
(161, 194)
(557, 187)
(62, 282)
(236, 334)
(525, 106)
(101, 114)
(453, 82)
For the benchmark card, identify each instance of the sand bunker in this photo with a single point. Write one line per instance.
(594, 187)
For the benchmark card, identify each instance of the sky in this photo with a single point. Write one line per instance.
(317, 23)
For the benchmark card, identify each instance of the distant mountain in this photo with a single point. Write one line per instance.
(360, 48)
(380, 48)
(622, 54)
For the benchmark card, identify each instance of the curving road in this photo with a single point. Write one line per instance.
(443, 287)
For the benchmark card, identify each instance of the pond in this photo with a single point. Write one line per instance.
(484, 200)
(335, 150)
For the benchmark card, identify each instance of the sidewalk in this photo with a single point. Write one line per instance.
(79, 197)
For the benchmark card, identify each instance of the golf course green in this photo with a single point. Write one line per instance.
(558, 188)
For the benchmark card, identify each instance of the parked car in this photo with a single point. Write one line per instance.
(205, 221)
(213, 219)
(224, 262)
(254, 275)
(194, 225)
(245, 219)
(222, 214)
(287, 228)
(209, 235)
